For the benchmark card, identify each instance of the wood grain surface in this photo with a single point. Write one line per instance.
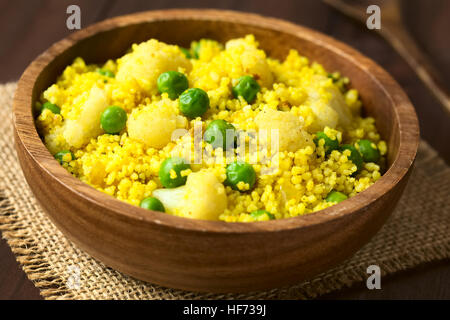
(397, 34)
(292, 10)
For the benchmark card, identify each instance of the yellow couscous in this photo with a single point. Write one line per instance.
(146, 128)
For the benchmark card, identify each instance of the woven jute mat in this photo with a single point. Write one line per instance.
(417, 232)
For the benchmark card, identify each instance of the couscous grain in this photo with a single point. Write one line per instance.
(147, 128)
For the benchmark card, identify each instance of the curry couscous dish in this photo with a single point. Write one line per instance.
(216, 131)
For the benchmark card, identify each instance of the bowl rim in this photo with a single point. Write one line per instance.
(26, 133)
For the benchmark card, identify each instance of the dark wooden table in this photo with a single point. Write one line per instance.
(29, 27)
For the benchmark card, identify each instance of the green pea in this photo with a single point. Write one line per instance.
(368, 150)
(60, 156)
(195, 49)
(220, 133)
(186, 52)
(172, 82)
(330, 144)
(240, 172)
(194, 102)
(177, 165)
(151, 203)
(258, 213)
(106, 73)
(113, 119)
(333, 76)
(354, 157)
(335, 196)
(247, 87)
(52, 107)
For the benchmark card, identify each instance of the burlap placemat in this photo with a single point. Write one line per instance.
(417, 232)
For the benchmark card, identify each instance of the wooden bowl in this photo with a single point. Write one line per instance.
(209, 255)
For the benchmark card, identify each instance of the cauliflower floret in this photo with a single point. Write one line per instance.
(206, 196)
(337, 103)
(251, 60)
(241, 57)
(154, 124)
(172, 199)
(328, 105)
(203, 197)
(55, 141)
(77, 132)
(325, 116)
(147, 61)
(291, 135)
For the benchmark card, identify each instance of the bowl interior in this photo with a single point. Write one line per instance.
(114, 42)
